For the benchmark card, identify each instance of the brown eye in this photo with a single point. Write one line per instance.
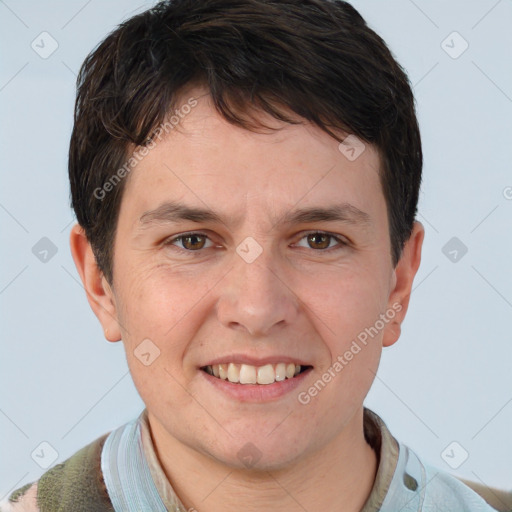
(319, 240)
(190, 242)
(193, 242)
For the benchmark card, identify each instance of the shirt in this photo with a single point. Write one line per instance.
(128, 476)
(403, 482)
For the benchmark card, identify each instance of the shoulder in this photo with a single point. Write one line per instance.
(23, 499)
(476, 493)
(75, 484)
(410, 484)
(499, 499)
(444, 491)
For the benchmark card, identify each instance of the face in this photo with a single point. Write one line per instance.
(253, 254)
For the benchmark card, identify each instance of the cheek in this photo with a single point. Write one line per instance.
(151, 302)
(166, 307)
(345, 301)
(346, 306)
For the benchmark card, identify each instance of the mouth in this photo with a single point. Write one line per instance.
(244, 374)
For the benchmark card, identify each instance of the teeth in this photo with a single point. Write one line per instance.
(233, 372)
(248, 374)
(266, 374)
(223, 371)
(280, 371)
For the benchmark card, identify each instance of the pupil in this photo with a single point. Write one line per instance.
(319, 235)
(192, 240)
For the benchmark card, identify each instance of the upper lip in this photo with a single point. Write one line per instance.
(255, 361)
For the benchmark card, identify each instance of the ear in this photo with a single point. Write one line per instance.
(402, 283)
(99, 292)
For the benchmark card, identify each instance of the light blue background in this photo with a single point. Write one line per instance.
(448, 379)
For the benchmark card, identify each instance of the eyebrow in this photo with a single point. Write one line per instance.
(172, 212)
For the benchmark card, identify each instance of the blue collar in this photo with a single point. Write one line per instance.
(126, 472)
(415, 485)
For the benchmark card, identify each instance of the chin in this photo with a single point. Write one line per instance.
(257, 455)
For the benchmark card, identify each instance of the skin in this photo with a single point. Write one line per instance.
(297, 298)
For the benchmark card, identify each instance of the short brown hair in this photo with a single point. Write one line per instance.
(315, 58)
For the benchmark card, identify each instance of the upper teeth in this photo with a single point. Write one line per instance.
(248, 374)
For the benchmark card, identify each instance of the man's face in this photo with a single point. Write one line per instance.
(261, 286)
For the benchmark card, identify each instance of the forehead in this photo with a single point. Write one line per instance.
(207, 162)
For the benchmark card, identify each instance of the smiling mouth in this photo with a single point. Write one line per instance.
(248, 374)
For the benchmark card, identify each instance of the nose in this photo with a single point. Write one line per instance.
(256, 297)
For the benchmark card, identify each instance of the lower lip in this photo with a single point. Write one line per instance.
(256, 392)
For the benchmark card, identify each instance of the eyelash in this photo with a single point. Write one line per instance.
(171, 241)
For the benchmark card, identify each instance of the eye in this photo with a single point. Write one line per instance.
(190, 241)
(321, 241)
(194, 241)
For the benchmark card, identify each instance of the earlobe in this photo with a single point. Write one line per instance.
(391, 333)
(403, 280)
(99, 292)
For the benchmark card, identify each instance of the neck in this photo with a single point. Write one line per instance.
(341, 473)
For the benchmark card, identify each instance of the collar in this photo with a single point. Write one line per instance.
(126, 472)
(386, 447)
(136, 481)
